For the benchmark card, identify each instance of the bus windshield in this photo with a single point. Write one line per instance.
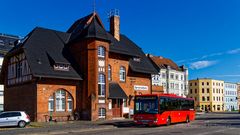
(146, 105)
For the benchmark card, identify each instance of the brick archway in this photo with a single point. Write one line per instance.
(45, 92)
(60, 101)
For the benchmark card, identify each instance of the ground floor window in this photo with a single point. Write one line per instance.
(60, 100)
(1, 107)
(51, 104)
(101, 113)
(57, 102)
(69, 103)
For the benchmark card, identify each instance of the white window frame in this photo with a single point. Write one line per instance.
(101, 85)
(69, 103)
(60, 99)
(122, 74)
(109, 73)
(101, 113)
(51, 101)
(101, 51)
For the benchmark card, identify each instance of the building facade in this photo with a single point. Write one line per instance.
(230, 97)
(238, 95)
(85, 72)
(208, 94)
(6, 43)
(171, 77)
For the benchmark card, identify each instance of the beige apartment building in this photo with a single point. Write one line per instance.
(208, 94)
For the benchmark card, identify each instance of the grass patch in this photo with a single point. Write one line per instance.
(35, 125)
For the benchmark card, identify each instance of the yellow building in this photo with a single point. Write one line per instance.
(207, 93)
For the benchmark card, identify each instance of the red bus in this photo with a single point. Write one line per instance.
(153, 109)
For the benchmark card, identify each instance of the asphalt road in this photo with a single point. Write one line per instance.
(205, 124)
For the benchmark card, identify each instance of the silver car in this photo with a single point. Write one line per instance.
(14, 118)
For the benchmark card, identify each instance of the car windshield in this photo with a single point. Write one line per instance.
(146, 105)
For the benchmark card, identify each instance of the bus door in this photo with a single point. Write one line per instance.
(175, 113)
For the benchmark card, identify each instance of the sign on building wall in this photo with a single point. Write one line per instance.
(140, 87)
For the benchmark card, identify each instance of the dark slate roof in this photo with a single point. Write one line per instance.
(44, 47)
(116, 92)
(94, 30)
(127, 47)
(83, 29)
(80, 24)
(119, 47)
(144, 66)
(7, 43)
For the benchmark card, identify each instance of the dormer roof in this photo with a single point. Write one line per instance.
(88, 27)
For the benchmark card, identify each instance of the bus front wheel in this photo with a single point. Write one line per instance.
(168, 121)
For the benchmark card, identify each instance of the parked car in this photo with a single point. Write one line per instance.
(14, 118)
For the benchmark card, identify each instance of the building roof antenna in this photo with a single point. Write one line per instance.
(94, 6)
(113, 12)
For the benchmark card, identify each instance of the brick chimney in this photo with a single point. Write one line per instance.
(115, 24)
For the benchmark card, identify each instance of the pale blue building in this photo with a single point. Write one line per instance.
(230, 97)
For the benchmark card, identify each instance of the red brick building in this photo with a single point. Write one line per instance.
(86, 71)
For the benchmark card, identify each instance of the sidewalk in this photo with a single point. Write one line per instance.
(61, 127)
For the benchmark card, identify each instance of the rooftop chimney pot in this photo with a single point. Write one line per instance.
(115, 24)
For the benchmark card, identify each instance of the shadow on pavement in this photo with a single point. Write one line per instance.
(222, 124)
(124, 124)
(219, 118)
(131, 124)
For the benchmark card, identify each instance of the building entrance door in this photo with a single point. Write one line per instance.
(117, 107)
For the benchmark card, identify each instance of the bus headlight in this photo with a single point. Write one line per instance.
(155, 120)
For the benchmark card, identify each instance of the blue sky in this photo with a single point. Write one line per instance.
(204, 35)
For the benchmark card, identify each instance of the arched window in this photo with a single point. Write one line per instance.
(101, 85)
(57, 101)
(109, 72)
(122, 74)
(101, 51)
(101, 113)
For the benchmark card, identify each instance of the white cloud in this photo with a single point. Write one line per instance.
(212, 55)
(235, 51)
(202, 64)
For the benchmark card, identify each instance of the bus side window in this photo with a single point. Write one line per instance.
(163, 104)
